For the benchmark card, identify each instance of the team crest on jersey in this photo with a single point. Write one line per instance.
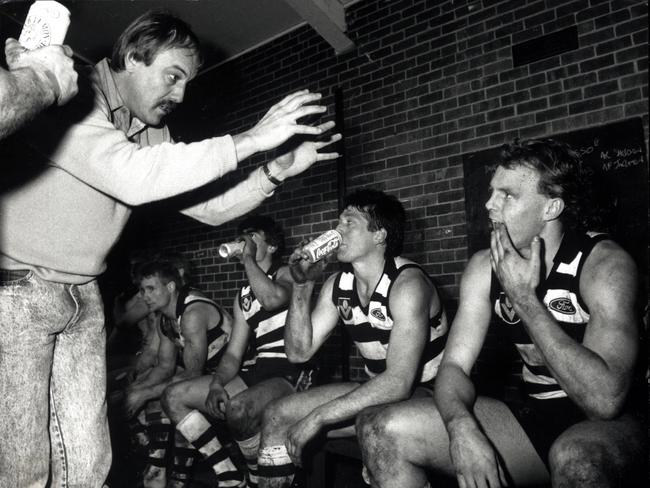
(562, 305)
(246, 302)
(345, 310)
(507, 312)
(377, 313)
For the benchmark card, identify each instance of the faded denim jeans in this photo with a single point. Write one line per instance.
(52, 385)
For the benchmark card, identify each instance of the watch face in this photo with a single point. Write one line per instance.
(35, 33)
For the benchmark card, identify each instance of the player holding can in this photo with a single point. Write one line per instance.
(395, 317)
(235, 393)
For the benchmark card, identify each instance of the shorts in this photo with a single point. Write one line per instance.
(544, 420)
(299, 379)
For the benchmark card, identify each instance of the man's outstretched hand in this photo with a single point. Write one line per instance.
(280, 123)
(304, 155)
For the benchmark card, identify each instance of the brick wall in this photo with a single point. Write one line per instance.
(427, 82)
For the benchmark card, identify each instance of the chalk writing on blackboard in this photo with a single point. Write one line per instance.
(620, 158)
(582, 151)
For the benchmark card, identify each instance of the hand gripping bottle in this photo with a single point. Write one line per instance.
(324, 245)
(46, 24)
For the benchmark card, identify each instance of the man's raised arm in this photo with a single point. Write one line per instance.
(305, 331)
(35, 80)
(596, 374)
(262, 182)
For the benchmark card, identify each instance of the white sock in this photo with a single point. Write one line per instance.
(249, 448)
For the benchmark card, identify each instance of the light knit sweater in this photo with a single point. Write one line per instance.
(62, 222)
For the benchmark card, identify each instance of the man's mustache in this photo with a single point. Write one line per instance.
(167, 106)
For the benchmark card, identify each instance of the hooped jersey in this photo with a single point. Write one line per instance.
(370, 326)
(267, 328)
(217, 338)
(561, 296)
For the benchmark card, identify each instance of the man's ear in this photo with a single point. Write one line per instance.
(379, 236)
(272, 249)
(130, 62)
(171, 287)
(554, 208)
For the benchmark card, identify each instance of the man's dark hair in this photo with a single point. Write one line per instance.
(151, 33)
(145, 257)
(383, 211)
(178, 261)
(273, 233)
(165, 270)
(561, 173)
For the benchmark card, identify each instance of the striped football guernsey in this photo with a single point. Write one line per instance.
(370, 326)
(561, 292)
(216, 337)
(268, 331)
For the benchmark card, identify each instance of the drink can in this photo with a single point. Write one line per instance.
(324, 245)
(46, 24)
(230, 249)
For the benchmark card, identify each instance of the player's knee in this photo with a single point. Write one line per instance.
(238, 415)
(377, 426)
(171, 399)
(275, 417)
(580, 462)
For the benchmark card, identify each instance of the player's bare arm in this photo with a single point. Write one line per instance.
(306, 331)
(595, 374)
(410, 301)
(272, 294)
(228, 368)
(472, 454)
(194, 327)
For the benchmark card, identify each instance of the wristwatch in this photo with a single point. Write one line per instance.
(268, 174)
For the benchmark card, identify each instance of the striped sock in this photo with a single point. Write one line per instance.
(183, 461)
(198, 431)
(138, 432)
(160, 432)
(249, 448)
(275, 466)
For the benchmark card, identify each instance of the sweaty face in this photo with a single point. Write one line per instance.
(357, 240)
(153, 91)
(154, 293)
(516, 202)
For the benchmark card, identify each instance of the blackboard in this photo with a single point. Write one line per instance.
(615, 152)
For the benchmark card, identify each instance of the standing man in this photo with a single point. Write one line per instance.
(191, 343)
(36, 80)
(239, 397)
(565, 299)
(105, 153)
(393, 313)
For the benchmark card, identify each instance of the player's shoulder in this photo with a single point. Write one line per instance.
(412, 276)
(477, 273)
(479, 264)
(408, 268)
(199, 307)
(607, 258)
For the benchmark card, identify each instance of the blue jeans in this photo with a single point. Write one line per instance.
(52, 385)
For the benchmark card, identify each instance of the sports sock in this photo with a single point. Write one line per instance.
(274, 462)
(203, 436)
(249, 448)
(160, 431)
